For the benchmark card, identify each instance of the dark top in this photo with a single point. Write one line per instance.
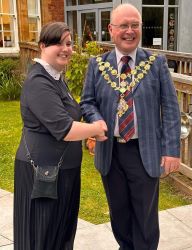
(47, 111)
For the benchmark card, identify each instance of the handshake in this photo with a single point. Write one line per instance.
(101, 128)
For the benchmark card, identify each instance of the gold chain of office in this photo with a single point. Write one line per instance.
(138, 72)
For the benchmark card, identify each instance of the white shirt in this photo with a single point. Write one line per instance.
(132, 66)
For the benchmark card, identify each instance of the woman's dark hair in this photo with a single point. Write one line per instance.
(51, 33)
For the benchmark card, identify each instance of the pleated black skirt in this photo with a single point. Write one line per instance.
(45, 224)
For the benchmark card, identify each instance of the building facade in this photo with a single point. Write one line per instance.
(21, 21)
(166, 23)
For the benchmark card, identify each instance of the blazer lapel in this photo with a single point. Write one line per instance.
(112, 59)
(140, 56)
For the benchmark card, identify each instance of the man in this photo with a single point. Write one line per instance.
(137, 101)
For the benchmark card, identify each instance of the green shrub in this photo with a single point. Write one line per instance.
(10, 89)
(75, 73)
(10, 79)
(8, 67)
(76, 69)
(92, 49)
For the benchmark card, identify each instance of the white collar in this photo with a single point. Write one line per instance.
(52, 72)
(119, 55)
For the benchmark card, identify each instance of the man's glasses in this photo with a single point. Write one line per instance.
(133, 26)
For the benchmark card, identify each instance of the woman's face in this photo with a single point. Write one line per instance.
(58, 55)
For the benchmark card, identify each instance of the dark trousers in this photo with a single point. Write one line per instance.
(133, 199)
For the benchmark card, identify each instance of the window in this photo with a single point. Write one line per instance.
(160, 24)
(72, 22)
(105, 20)
(172, 29)
(173, 2)
(82, 2)
(70, 2)
(93, 1)
(153, 2)
(152, 35)
(34, 20)
(89, 19)
(7, 24)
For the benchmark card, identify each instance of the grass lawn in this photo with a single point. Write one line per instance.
(93, 205)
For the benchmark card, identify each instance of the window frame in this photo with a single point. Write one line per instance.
(13, 15)
(166, 7)
(37, 17)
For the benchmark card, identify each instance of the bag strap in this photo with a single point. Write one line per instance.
(29, 155)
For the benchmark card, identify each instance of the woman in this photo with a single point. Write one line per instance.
(52, 128)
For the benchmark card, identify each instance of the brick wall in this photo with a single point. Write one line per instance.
(52, 10)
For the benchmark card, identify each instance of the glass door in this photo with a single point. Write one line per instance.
(94, 25)
(104, 16)
(88, 27)
(160, 24)
(152, 33)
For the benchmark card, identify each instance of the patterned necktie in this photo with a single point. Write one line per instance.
(126, 121)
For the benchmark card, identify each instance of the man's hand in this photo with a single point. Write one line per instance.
(170, 164)
(104, 126)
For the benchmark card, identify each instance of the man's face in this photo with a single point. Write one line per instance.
(125, 29)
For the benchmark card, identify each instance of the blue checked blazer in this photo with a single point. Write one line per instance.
(156, 105)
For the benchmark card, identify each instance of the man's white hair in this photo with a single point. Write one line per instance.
(122, 7)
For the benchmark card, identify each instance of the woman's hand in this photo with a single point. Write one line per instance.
(82, 130)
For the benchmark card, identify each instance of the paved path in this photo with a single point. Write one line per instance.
(175, 226)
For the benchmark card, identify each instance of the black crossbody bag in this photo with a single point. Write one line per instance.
(45, 177)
